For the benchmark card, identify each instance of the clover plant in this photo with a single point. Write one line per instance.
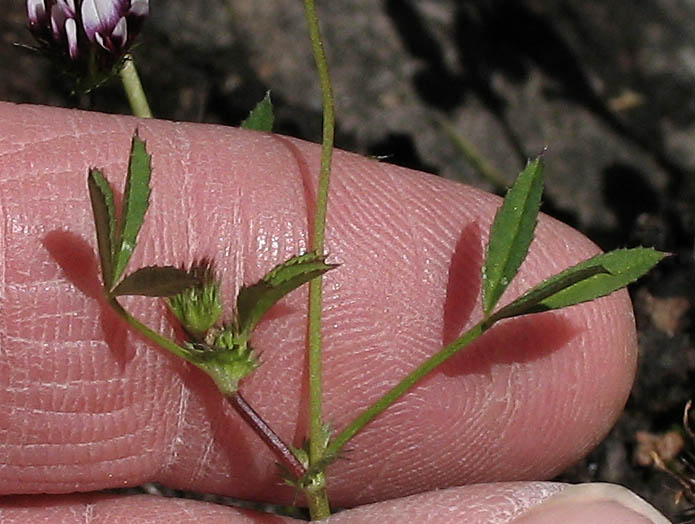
(93, 37)
(222, 349)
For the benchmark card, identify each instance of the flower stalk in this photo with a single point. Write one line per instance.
(133, 88)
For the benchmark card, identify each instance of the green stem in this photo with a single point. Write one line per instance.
(404, 385)
(267, 435)
(319, 508)
(133, 88)
(318, 501)
(155, 337)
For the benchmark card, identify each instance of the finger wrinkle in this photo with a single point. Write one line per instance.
(177, 439)
(88, 514)
(184, 146)
(3, 263)
(77, 386)
(83, 442)
(364, 209)
(69, 478)
(66, 415)
(202, 461)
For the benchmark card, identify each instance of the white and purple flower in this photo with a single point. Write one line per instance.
(81, 30)
(53, 22)
(113, 24)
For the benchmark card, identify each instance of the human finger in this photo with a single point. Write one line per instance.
(86, 404)
(507, 503)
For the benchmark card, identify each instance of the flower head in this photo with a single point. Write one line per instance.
(53, 22)
(90, 37)
(113, 24)
(199, 307)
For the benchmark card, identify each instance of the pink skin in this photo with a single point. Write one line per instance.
(87, 404)
(498, 503)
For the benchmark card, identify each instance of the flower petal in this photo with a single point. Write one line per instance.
(139, 8)
(71, 33)
(102, 16)
(119, 37)
(100, 40)
(58, 18)
(36, 13)
(68, 7)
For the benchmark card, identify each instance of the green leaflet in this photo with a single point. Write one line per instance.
(596, 277)
(261, 117)
(156, 281)
(254, 301)
(101, 196)
(511, 233)
(135, 202)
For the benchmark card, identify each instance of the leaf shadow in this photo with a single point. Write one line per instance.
(515, 340)
(463, 285)
(78, 262)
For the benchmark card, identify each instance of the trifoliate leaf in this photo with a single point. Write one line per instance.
(254, 301)
(261, 117)
(101, 196)
(136, 199)
(596, 277)
(511, 233)
(156, 281)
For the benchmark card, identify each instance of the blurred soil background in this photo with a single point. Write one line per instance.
(608, 86)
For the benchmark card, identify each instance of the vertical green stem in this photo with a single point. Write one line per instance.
(318, 501)
(133, 88)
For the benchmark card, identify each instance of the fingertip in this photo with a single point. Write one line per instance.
(590, 503)
(511, 503)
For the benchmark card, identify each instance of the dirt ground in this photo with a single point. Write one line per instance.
(607, 86)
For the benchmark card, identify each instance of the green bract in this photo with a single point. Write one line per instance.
(225, 358)
(254, 301)
(155, 281)
(199, 307)
(261, 117)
